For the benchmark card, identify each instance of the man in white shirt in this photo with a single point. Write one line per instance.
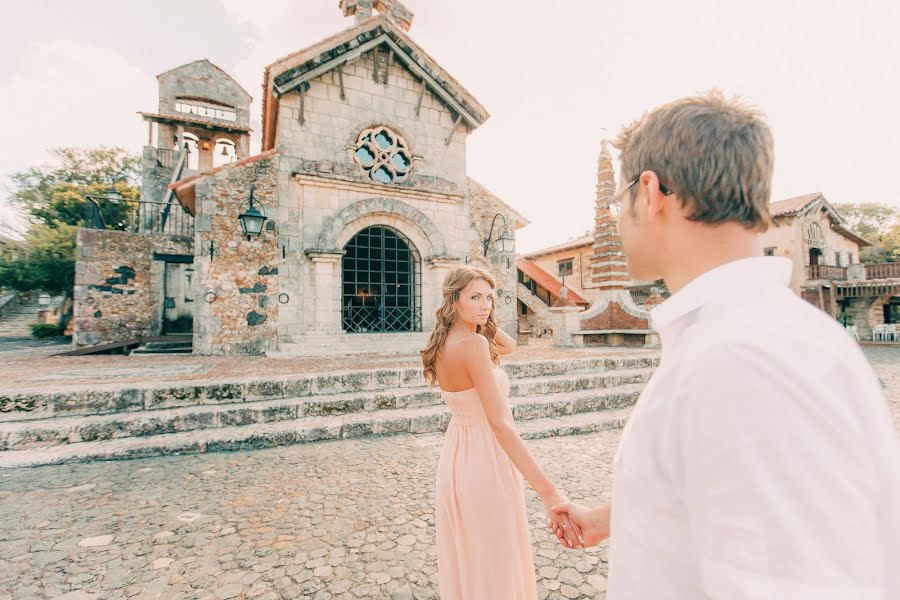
(761, 460)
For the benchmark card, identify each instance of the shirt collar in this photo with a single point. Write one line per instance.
(715, 282)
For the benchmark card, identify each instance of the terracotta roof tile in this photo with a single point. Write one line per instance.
(547, 281)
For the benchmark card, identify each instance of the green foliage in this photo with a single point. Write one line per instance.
(57, 193)
(880, 224)
(46, 261)
(41, 330)
(55, 199)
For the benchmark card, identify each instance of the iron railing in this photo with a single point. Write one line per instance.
(381, 319)
(139, 216)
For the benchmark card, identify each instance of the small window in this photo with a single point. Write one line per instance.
(524, 309)
(769, 251)
(837, 259)
(383, 155)
(566, 267)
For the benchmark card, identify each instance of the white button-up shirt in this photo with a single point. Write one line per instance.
(761, 461)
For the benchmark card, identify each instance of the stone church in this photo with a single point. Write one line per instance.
(335, 238)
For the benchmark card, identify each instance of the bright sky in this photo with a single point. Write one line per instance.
(556, 77)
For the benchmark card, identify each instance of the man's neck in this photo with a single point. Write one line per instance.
(704, 248)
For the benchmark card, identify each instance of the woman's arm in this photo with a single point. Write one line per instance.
(477, 360)
(505, 343)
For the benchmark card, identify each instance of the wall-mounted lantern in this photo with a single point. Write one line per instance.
(252, 221)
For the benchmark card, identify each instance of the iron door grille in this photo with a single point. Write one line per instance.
(382, 289)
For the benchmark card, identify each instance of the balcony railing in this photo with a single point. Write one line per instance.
(140, 216)
(883, 271)
(827, 272)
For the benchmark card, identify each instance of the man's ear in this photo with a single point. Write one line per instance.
(655, 199)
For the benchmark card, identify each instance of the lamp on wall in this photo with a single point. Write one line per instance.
(505, 238)
(252, 221)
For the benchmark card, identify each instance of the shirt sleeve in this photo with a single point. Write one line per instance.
(777, 484)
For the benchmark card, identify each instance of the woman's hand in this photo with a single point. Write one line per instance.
(569, 533)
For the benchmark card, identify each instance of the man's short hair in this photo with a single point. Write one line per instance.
(715, 153)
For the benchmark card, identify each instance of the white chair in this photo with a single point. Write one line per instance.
(854, 332)
(883, 333)
(893, 332)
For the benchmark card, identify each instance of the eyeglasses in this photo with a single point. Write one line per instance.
(615, 205)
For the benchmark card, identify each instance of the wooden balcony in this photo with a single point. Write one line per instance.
(883, 271)
(826, 272)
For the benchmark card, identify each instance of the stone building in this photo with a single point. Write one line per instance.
(362, 184)
(827, 270)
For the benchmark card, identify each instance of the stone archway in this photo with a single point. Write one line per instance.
(337, 224)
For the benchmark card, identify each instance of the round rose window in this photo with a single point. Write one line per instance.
(382, 154)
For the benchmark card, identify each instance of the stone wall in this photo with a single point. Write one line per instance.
(237, 287)
(330, 127)
(118, 284)
(483, 205)
(203, 80)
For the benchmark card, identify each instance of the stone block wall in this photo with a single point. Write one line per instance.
(482, 207)
(330, 126)
(203, 80)
(118, 284)
(237, 279)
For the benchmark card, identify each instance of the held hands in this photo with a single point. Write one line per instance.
(592, 523)
(569, 533)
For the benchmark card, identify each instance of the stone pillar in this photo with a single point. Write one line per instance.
(565, 323)
(613, 315)
(327, 287)
(609, 269)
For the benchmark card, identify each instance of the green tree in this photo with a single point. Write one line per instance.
(880, 224)
(58, 192)
(56, 199)
(45, 261)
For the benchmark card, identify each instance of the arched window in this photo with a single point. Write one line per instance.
(192, 145)
(812, 235)
(224, 152)
(381, 282)
(383, 154)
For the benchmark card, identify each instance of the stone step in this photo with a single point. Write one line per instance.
(24, 406)
(72, 430)
(293, 432)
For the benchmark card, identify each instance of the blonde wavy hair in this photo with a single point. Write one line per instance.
(454, 284)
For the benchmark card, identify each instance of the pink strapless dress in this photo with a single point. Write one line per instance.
(483, 541)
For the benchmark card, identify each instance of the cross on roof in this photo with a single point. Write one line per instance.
(392, 9)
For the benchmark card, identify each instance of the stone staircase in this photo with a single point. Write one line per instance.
(17, 316)
(548, 397)
(542, 317)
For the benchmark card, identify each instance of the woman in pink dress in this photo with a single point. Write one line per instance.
(483, 541)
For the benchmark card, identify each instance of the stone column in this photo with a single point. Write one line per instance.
(613, 314)
(565, 323)
(327, 286)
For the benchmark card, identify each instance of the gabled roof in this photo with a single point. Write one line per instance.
(799, 205)
(792, 206)
(547, 281)
(585, 240)
(291, 71)
(214, 66)
(521, 221)
(184, 188)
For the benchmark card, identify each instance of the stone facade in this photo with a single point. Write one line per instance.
(118, 284)
(237, 305)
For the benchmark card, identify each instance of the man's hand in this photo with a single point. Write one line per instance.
(592, 522)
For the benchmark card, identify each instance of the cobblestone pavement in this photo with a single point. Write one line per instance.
(342, 520)
(25, 368)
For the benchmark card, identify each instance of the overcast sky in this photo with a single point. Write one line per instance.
(556, 77)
